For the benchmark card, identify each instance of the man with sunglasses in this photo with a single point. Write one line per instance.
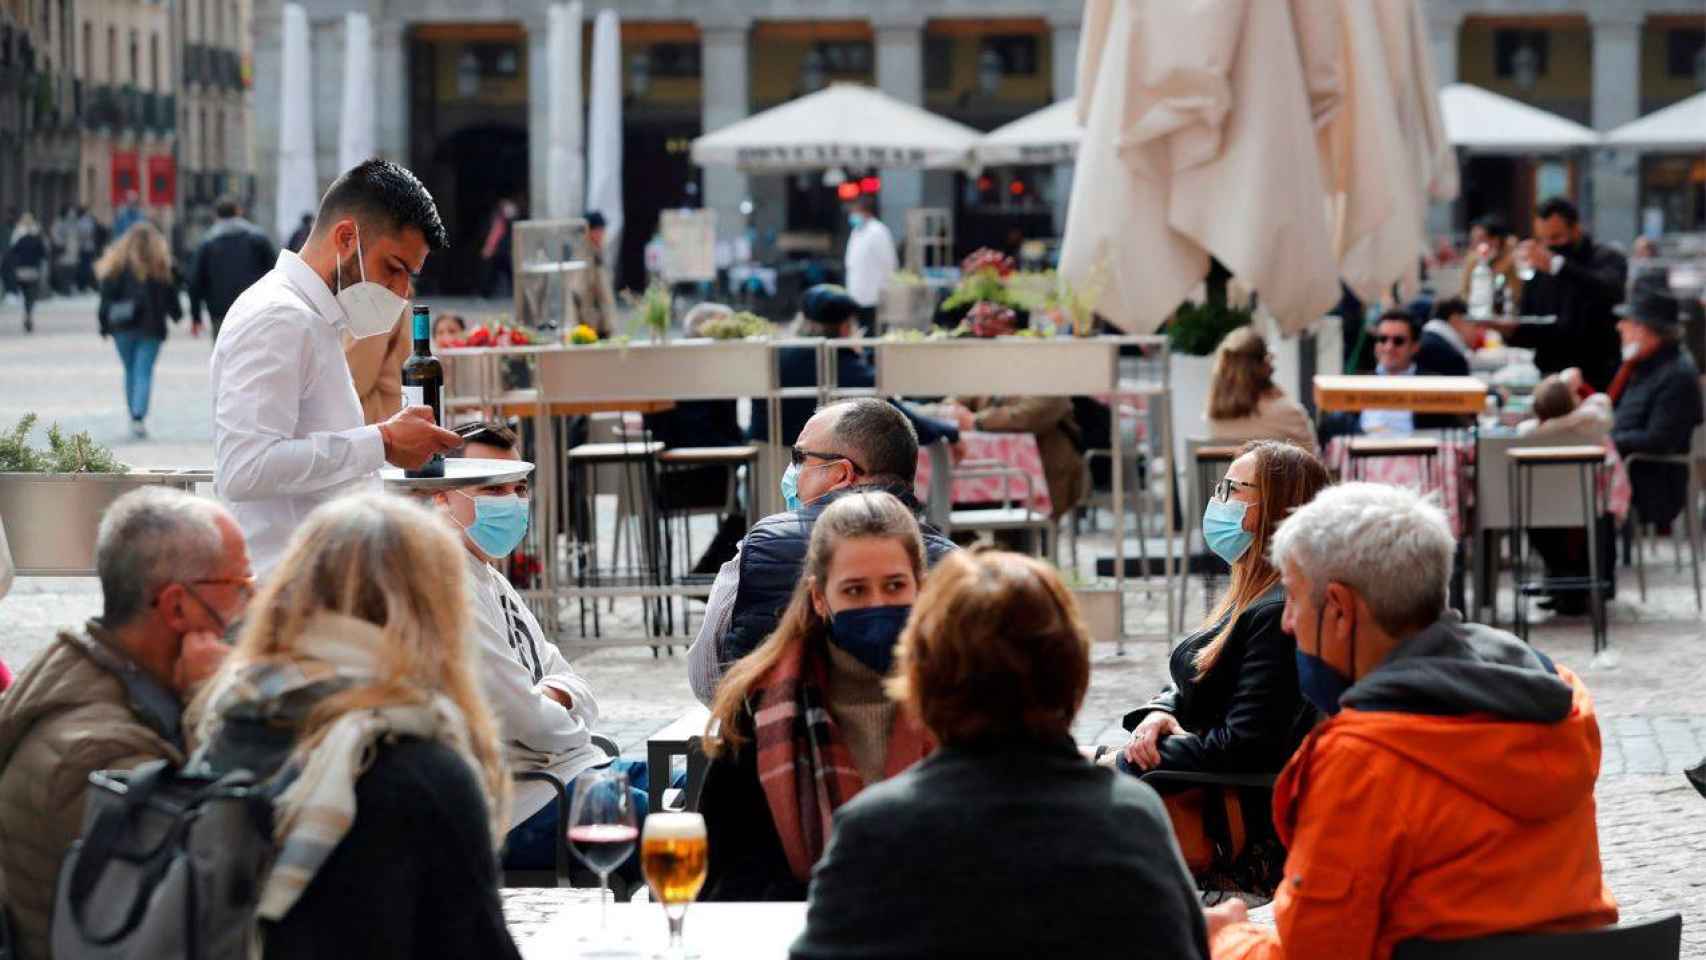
(1397, 344)
(175, 574)
(860, 444)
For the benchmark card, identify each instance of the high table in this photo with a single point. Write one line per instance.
(717, 931)
(1419, 394)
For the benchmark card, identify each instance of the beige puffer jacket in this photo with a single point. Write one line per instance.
(65, 717)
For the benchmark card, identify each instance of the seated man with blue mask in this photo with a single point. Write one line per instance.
(859, 444)
(545, 710)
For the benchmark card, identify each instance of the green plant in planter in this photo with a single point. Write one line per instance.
(16, 456)
(654, 310)
(78, 453)
(1197, 328)
(736, 326)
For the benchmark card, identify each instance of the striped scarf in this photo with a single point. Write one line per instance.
(804, 766)
(312, 814)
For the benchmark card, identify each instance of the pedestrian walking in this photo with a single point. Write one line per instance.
(128, 215)
(496, 271)
(234, 254)
(25, 261)
(137, 297)
(88, 248)
(64, 233)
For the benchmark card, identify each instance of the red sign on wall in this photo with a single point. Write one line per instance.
(126, 177)
(162, 180)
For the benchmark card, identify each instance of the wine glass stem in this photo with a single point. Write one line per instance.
(604, 905)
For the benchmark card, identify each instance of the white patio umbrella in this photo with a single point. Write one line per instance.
(298, 186)
(604, 123)
(1484, 122)
(355, 122)
(843, 125)
(565, 172)
(1680, 126)
(1051, 135)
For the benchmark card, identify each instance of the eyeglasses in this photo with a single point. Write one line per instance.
(1399, 341)
(1227, 486)
(244, 585)
(797, 457)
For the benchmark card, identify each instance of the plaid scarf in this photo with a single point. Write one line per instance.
(316, 809)
(804, 766)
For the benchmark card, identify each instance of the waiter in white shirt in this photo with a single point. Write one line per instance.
(288, 431)
(871, 260)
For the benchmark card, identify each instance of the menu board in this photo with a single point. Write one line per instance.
(690, 244)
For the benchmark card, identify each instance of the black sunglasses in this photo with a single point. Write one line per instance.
(797, 457)
(1397, 340)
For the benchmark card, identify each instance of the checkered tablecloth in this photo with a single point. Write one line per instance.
(1017, 450)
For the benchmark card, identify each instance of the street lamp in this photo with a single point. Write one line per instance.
(1525, 66)
(989, 70)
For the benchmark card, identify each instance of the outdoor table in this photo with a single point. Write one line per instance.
(1016, 450)
(716, 931)
(1419, 394)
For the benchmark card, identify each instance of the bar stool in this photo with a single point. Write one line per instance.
(638, 460)
(1589, 462)
(683, 459)
(1209, 459)
(1360, 450)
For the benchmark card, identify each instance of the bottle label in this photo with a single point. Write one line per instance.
(423, 326)
(414, 395)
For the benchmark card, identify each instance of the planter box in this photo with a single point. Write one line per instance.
(679, 370)
(1011, 366)
(51, 518)
(1102, 612)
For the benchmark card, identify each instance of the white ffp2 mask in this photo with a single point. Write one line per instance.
(372, 309)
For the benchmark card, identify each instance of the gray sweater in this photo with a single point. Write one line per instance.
(1003, 849)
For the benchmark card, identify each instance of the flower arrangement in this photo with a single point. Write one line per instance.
(496, 335)
(983, 276)
(736, 326)
(582, 335)
(653, 310)
(990, 319)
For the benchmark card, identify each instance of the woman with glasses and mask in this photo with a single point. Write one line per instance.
(1233, 705)
(802, 724)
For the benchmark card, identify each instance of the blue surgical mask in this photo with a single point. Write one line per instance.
(857, 220)
(791, 487)
(500, 524)
(869, 634)
(1223, 529)
(1318, 681)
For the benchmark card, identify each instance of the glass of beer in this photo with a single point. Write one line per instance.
(673, 857)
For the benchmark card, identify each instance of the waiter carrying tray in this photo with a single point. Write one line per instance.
(288, 432)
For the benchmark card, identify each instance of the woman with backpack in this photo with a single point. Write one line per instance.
(26, 260)
(137, 296)
(354, 686)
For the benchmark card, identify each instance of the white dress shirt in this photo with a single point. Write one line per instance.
(871, 260)
(517, 664)
(288, 433)
(1390, 422)
(704, 666)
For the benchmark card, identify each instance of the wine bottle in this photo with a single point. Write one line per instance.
(423, 383)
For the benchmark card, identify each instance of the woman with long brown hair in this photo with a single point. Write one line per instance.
(1244, 402)
(355, 682)
(138, 295)
(1234, 705)
(802, 724)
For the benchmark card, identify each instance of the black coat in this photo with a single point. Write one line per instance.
(1657, 413)
(1438, 358)
(155, 302)
(1582, 295)
(1247, 715)
(747, 860)
(1003, 849)
(232, 256)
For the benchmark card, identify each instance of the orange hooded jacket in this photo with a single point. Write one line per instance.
(1451, 798)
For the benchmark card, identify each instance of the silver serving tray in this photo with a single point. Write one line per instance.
(458, 472)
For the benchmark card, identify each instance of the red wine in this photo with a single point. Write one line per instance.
(603, 846)
(423, 383)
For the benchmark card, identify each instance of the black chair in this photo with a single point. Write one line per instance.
(565, 859)
(1659, 939)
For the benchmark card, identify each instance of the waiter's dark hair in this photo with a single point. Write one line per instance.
(379, 192)
(1558, 207)
(490, 434)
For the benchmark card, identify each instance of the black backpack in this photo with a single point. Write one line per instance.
(171, 864)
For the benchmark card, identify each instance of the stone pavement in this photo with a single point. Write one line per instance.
(1650, 696)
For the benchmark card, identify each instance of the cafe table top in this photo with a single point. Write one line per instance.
(717, 931)
(525, 403)
(1421, 394)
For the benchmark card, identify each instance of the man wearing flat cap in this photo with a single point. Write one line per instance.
(1656, 395)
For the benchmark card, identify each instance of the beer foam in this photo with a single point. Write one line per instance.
(675, 826)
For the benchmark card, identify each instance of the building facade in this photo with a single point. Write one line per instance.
(212, 42)
(462, 99)
(38, 107)
(129, 75)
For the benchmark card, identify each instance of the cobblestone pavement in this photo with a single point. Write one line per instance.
(1649, 696)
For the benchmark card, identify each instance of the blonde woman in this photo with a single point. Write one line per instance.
(138, 294)
(1244, 402)
(802, 722)
(354, 679)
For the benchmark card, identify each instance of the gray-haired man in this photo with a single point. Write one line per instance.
(174, 574)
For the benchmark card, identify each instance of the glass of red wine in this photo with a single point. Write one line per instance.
(603, 830)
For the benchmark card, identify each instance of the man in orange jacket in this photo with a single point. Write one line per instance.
(1449, 794)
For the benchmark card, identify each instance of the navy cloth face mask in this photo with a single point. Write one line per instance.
(869, 634)
(1319, 683)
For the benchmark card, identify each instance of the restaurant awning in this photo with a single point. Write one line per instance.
(1050, 135)
(843, 125)
(1680, 126)
(1485, 122)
